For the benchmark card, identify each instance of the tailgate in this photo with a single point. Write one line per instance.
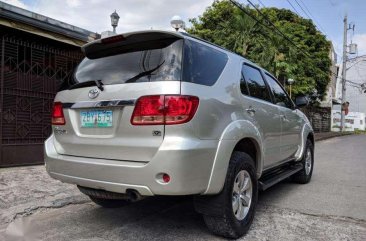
(115, 137)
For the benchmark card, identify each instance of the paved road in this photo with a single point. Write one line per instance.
(331, 207)
(338, 185)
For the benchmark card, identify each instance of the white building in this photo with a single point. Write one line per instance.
(354, 121)
(356, 75)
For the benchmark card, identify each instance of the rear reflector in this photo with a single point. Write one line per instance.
(164, 109)
(58, 117)
(166, 178)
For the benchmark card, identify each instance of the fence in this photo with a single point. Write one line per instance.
(31, 73)
(320, 118)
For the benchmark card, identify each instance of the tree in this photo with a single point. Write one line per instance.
(309, 64)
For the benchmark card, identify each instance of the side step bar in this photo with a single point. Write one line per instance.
(271, 178)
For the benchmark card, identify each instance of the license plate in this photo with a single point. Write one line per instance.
(96, 118)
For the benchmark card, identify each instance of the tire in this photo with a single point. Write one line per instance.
(109, 203)
(218, 210)
(304, 175)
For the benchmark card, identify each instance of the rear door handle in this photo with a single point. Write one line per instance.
(250, 110)
(283, 117)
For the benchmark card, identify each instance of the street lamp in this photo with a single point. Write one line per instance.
(290, 82)
(176, 22)
(114, 20)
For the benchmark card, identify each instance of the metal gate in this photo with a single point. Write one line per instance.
(31, 73)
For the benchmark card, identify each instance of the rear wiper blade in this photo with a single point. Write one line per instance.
(97, 83)
(142, 74)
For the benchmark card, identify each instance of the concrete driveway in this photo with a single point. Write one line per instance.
(331, 207)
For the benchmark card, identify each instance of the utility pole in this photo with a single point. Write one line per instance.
(344, 73)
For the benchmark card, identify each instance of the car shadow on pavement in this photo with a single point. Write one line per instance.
(160, 218)
(155, 218)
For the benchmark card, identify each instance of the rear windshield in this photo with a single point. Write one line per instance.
(158, 60)
(154, 63)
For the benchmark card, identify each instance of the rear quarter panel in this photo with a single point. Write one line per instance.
(220, 116)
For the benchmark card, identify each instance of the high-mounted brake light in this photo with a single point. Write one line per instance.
(113, 39)
(58, 117)
(164, 110)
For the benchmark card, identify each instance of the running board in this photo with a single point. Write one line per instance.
(270, 179)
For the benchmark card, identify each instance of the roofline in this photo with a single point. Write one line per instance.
(17, 14)
(182, 35)
(210, 43)
(120, 40)
(187, 35)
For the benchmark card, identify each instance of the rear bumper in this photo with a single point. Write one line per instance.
(187, 161)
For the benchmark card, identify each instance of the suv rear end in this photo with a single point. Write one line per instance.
(161, 113)
(131, 117)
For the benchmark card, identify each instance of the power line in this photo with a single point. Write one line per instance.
(307, 12)
(304, 6)
(311, 16)
(261, 3)
(293, 7)
(317, 24)
(279, 31)
(274, 26)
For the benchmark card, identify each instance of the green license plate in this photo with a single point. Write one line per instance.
(96, 118)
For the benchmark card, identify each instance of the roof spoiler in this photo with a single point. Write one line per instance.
(129, 42)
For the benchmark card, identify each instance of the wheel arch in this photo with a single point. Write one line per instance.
(251, 147)
(240, 135)
(307, 133)
(311, 138)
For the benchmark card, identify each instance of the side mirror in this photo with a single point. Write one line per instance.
(301, 101)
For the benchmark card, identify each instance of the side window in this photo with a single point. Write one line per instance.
(280, 95)
(256, 85)
(243, 83)
(202, 64)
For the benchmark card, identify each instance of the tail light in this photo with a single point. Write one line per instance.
(58, 117)
(164, 109)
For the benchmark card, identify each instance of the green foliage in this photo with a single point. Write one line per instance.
(226, 25)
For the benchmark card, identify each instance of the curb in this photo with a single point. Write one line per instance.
(322, 138)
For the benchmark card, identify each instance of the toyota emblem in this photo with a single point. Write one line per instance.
(93, 93)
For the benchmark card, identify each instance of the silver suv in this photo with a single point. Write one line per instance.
(164, 113)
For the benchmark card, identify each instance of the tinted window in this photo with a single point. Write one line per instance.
(243, 83)
(280, 95)
(159, 63)
(202, 64)
(256, 85)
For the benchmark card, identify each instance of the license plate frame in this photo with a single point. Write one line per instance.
(96, 119)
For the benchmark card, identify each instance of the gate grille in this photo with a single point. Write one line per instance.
(31, 74)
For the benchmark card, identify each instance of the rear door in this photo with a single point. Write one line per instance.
(98, 119)
(258, 105)
(290, 120)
